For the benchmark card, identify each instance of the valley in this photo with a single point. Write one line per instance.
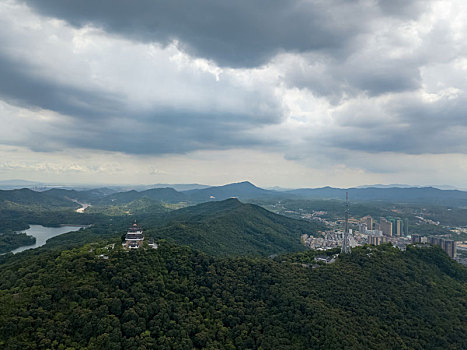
(225, 274)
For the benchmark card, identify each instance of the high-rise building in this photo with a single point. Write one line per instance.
(369, 222)
(362, 228)
(374, 240)
(386, 227)
(448, 245)
(416, 238)
(393, 222)
(406, 226)
(434, 240)
(398, 230)
(377, 240)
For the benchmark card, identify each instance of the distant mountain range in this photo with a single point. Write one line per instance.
(440, 187)
(29, 197)
(43, 186)
(244, 191)
(421, 195)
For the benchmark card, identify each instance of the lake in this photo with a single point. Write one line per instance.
(43, 233)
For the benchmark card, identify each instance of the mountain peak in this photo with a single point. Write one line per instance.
(241, 183)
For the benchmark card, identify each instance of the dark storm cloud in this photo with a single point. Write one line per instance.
(240, 33)
(99, 120)
(249, 33)
(20, 85)
(339, 50)
(177, 132)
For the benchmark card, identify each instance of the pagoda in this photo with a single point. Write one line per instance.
(134, 237)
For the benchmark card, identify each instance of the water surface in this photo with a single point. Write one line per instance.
(43, 233)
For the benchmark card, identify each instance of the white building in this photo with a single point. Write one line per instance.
(134, 237)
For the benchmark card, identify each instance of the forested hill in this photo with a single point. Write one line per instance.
(230, 227)
(224, 228)
(168, 195)
(175, 298)
(29, 198)
(242, 190)
(18, 208)
(86, 196)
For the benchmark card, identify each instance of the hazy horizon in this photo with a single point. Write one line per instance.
(19, 183)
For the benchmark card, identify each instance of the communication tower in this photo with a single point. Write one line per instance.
(346, 240)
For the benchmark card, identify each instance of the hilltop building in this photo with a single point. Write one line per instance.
(134, 237)
(152, 243)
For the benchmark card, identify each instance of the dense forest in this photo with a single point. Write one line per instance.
(223, 228)
(245, 283)
(176, 298)
(19, 208)
(230, 227)
(11, 241)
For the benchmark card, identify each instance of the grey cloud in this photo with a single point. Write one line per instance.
(387, 75)
(402, 8)
(98, 120)
(20, 85)
(175, 135)
(415, 127)
(239, 33)
(245, 34)
(371, 73)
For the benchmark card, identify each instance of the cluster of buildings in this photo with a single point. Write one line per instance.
(329, 240)
(315, 215)
(387, 226)
(377, 240)
(391, 230)
(448, 245)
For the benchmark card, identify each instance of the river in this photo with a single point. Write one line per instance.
(43, 233)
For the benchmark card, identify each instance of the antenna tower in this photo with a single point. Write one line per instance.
(346, 239)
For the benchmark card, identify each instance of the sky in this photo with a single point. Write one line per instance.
(291, 93)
